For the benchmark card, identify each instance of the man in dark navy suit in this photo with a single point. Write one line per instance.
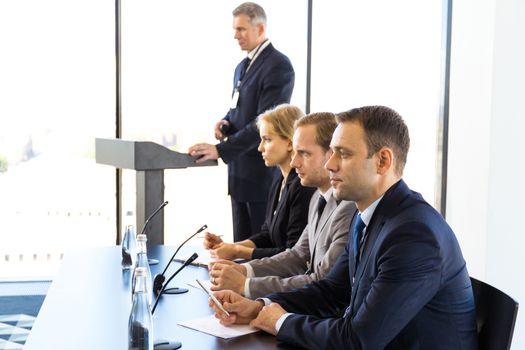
(401, 282)
(263, 80)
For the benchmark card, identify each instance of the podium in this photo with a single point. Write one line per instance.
(149, 160)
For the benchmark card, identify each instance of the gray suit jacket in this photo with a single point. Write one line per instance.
(316, 248)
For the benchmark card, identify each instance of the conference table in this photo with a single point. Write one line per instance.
(89, 301)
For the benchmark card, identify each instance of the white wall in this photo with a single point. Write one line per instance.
(486, 172)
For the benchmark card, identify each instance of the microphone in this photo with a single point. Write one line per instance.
(153, 261)
(152, 215)
(159, 279)
(164, 344)
(163, 288)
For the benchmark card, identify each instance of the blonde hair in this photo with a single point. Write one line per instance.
(282, 119)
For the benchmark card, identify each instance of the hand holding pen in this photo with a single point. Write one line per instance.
(212, 241)
(241, 310)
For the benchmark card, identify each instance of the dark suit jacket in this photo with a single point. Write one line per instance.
(268, 83)
(411, 291)
(282, 229)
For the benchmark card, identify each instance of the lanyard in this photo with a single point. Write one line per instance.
(247, 64)
(243, 73)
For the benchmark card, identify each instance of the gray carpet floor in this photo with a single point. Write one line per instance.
(19, 306)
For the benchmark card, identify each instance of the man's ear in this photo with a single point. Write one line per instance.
(385, 160)
(261, 29)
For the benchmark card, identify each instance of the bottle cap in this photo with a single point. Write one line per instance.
(142, 238)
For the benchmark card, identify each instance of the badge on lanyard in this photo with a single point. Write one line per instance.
(235, 98)
(248, 60)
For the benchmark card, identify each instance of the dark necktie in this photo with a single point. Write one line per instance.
(359, 225)
(321, 203)
(357, 232)
(245, 64)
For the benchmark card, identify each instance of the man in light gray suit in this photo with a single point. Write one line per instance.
(324, 237)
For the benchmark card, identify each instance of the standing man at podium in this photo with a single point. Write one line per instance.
(264, 79)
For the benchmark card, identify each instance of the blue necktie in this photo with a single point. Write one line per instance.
(357, 232)
(359, 225)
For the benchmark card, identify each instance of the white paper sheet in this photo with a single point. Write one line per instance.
(211, 325)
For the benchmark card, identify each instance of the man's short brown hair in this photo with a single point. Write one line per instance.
(383, 127)
(325, 125)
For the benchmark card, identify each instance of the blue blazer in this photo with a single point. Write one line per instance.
(268, 83)
(285, 218)
(411, 290)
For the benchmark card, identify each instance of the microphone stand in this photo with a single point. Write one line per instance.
(153, 261)
(163, 344)
(159, 279)
(163, 290)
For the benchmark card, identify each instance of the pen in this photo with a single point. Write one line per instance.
(215, 235)
(219, 305)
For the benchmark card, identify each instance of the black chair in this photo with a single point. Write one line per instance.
(495, 316)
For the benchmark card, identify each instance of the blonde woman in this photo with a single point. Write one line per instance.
(288, 200)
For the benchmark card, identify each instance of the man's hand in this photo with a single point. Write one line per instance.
(233, 264)
(268, 317)
(242, 310)
(226, 251)
(226, 276)
(219, 135)
(231, 251)
(211, 241)
(204, 151)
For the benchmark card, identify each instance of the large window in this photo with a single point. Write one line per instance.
(57, 82)
(178, 60)
(57, 94)
(388, 53)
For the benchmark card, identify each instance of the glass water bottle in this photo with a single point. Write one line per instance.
(140, 325)
(142, 261)
(128, 247)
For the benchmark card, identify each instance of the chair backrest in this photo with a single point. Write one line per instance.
(495, 316)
